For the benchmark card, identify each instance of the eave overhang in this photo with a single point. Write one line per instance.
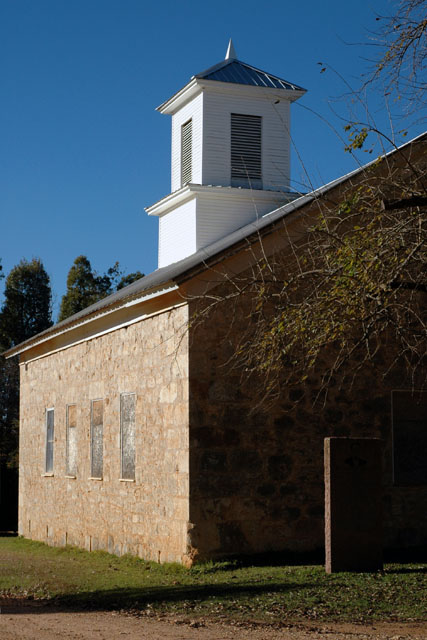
(197, 85)
(69, 326)
(190, 191)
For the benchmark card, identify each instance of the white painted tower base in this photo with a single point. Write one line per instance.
(195, 216)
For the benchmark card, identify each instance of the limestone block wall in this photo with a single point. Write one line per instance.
(256, 472)
(147, 516)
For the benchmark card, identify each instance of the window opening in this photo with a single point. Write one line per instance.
(409, 415)
(246, 169)
(97, 438)
(50, 420)
(71, 441)
(186, 152)
(127, 435)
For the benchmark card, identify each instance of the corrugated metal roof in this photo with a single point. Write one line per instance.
(239, 72)
(177, 272)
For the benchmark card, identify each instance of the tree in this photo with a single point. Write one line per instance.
(9, 412)
(85, 286)
(347, 289)
(354, 280)
(26, 310)
(131, 277)
(402, 46)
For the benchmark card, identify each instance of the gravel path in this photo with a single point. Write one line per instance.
(27, 620)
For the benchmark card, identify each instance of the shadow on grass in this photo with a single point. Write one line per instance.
(278, 559)
(141, 598)
(409, 570)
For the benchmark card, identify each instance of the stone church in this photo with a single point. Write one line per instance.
(135, 435)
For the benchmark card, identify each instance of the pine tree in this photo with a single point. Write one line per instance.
(131, 277)
(27, 302)
(85, 286)
(26, 310)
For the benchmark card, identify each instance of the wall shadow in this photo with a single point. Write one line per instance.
(140, 598)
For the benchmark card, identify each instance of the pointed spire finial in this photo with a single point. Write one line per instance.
(231, 52)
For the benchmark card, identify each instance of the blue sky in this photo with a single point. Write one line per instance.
(83, 150)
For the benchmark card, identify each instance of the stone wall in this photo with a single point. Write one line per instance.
(256, 472)
(147, 517)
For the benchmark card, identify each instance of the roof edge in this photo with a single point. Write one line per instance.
(159, 282)
(86, 316)
(199, 80)
(224, 63)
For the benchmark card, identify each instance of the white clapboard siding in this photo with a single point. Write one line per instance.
(177, 234)
(216, 218)
(217, 110)
(191, 111)
(202, 208)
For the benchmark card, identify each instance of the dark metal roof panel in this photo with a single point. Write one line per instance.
(239, 72)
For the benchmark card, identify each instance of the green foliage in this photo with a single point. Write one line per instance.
(357, 137)
(131, 277)
(9, 412)
(224, 590)
(85, 286)
(26, 308)
(353, 283)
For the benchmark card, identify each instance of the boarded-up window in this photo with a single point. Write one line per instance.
(186, 152)
(71, 443)
(50, 420)
(96, 438)
(409, 437)
(246, 150)
(127, 435)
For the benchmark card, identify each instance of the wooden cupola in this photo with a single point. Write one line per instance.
(230, 155)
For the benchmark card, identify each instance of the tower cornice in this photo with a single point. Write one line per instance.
(229, 194)
(197, 85)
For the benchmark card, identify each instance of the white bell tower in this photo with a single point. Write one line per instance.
(230, 155)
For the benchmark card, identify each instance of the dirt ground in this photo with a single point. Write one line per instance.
(29, 620)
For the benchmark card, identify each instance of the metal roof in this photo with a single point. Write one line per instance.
(238, 72)
(178, 272)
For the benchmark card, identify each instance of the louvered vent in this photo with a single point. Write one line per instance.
(186, 149)
(246, 150)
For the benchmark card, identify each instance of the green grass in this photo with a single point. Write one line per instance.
(76, 579)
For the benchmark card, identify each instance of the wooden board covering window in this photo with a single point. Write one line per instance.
(71, 444)
(127, 435)
(50, 422)
(97, 439)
